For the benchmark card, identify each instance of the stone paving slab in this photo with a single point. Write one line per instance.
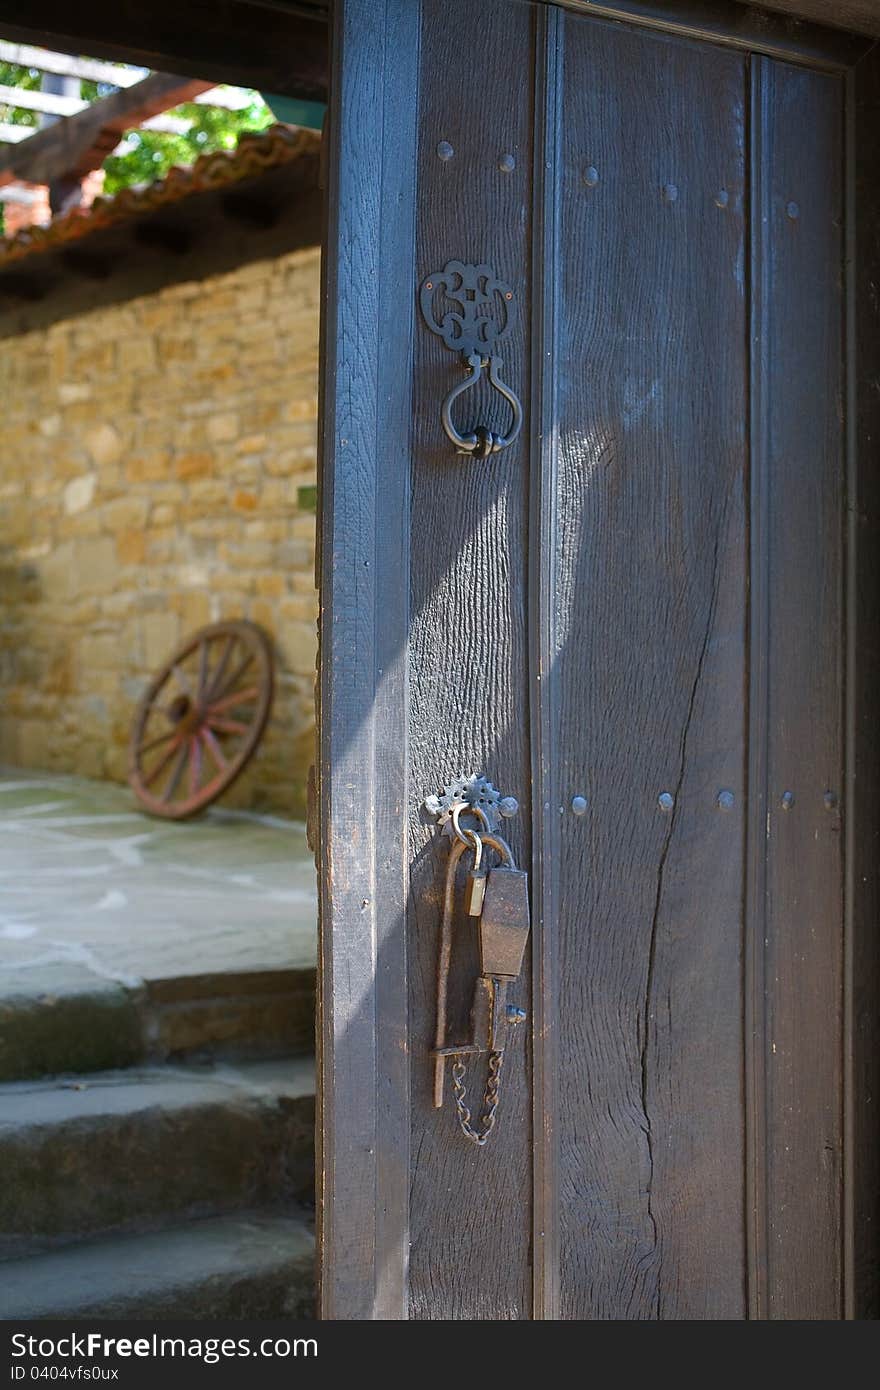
(94, 894)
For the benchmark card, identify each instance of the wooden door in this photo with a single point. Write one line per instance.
(632, 619)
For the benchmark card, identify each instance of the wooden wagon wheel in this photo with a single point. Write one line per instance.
(201, 719)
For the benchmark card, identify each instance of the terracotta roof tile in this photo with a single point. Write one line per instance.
(255, 152)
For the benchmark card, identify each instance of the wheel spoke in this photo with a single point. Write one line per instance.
(150, 777)
(203, 667)
(238, 697)
(221, 667)
(195, 764)
(183, 680)
(227, 726)
(233, 680)
(214, 749)
(176, 773)
(200, 718)
(154, 742)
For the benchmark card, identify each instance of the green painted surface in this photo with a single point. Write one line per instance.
(307, 499)
(293, 111)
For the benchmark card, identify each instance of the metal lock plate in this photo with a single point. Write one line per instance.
(504, 923)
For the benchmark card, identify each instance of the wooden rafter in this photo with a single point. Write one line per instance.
(71, 148)
(26, 55)
(49, 102)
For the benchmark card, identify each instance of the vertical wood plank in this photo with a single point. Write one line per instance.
(363, 1157)
(471, 1208)
(801, 142)
(755, 1010)
(544, 683)
(648, 645)
(863, 695)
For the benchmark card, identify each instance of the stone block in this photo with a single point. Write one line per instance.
(160, 634)
(298, 644)
(96, 651)
(137, 354)
(125, 513)
(195, 611)
(96, 566)
(148, 467)
(223, 427)
(70, 392)
(58, 574)
(244, 501)
(131, 546)
(104, 444)
(270, 585)
(194, 464)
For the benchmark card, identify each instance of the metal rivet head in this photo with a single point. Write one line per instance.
(666, 801)
(792, 211)
(829, 800)
(507, 164)
(579, 805)
(726, 799)
(722, 198)
(591, 176)
(787, 800)
(508, 806)
(670, 192)
(445, 150)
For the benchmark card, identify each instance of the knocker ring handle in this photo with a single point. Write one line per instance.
(470, 309)
(482, 442)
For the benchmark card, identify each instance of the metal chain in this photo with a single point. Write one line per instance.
(490, 1100)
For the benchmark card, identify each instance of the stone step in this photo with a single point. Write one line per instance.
(72, 1021)
(258, 1265)
(131, 1149)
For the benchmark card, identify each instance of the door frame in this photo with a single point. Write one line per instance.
(364, 794)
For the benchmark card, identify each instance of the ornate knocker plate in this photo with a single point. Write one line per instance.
(470, 308)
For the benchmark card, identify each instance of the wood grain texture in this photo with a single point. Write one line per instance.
(363, 1157)
(863, 696)
(468, 669)
(737, 25)
(755, 1005)
(860, 16)
(802, 144)
(544, 469)
(649, 659)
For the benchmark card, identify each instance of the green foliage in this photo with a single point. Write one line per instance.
(148, 154)
(13, 76)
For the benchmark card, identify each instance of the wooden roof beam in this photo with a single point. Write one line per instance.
(72, 148)
(275, 49)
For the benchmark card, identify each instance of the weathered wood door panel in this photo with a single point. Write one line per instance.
(640, 603)
(469, 688)
(649, 646)
(797, 667)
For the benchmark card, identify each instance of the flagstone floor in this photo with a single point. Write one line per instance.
(91, 889)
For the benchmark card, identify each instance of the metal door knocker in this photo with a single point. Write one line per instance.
(496, 901)
(470, 308)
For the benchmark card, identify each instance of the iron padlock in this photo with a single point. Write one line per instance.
(504, 922)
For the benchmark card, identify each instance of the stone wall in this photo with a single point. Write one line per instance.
(157, 472)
